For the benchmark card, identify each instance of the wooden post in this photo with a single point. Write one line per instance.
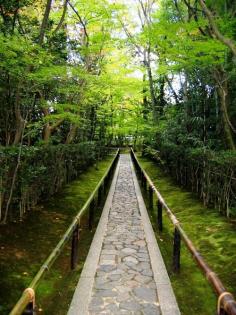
(91, 214)
(109, 174)
(176, 250)
(29, 310)
(75, 248)
(139, 172)
(105, 187)
(144, 183)
(159, 216)
(141, 178)
(222, 312)
(100, 195)
(150, 198)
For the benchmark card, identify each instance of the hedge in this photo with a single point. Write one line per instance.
(210, 174)
(42, 172)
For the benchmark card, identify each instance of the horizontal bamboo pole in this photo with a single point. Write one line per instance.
(225, 298)
(26, 298)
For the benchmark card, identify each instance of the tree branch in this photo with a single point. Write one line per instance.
(62, 17)
(226, 41)
(44, 22)
(81, 22)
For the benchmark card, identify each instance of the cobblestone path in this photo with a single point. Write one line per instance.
(124, 282)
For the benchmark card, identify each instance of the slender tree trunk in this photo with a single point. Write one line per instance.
(1, 197)
(19, 128)
(62, 17)
(19, 120)
(161, 98)
(223, 106)
(172, 89)
(14, 178)
(45, 21)
(145, 100)
(222, 90)
(186, 96)
(147, 63)
(93, 120)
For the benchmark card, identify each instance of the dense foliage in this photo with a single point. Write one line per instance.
(189, 53)
(63, 80)
(160, 72)
(42, 172)
(209, 174)
(62, 74)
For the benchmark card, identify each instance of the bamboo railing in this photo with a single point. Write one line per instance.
(26, 303)
(226, 302)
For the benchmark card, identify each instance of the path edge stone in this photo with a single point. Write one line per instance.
(83, 292)
(166, 296)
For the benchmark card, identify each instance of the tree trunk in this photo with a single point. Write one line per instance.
(19, 129)
(45, 21)
(71, 134)
(147, 63)
(172, 89)
(161, 98)
(19, 120)
(4, 221)
(47, 131)
(226, 41)
(222, 90)
(1, 196)
(93, 121)
(227, 130)
(62, 17)
(145, 100)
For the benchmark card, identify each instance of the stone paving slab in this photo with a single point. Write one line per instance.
(124, 281)
(166, 295)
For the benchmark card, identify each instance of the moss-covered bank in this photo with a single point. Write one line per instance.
(24, 247)
(211, 233)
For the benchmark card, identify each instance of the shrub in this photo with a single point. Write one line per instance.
(212, 175)
(42, 172)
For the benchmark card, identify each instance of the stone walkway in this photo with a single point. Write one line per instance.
(124, 272)
(124, 282)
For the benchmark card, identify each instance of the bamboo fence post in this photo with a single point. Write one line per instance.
(106, 180)
(176, 250)
(91, 214)
(29, 310)
(144, 183)
(150, 197)
(159, 216)
(222, 312)
(100, 195)
(141, 178)
(75, 248)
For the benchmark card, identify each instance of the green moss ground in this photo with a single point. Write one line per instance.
(213, 235)
(25, 246)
